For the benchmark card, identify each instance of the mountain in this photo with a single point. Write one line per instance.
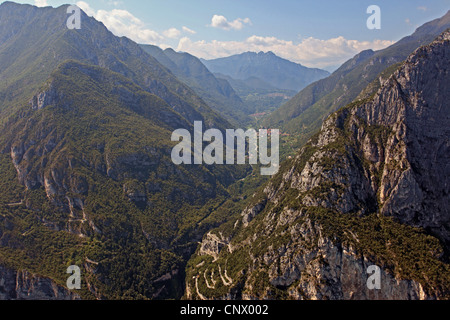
(370, 189)
(86, 174)
(216, 92)
(277, 72)
(29, 54)
(303, 114)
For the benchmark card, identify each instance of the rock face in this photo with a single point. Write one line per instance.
(415, 181)
(371, 189)
(330, 271)
(22, 285)
(402, 135)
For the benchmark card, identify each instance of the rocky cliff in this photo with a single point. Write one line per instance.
(371, 189)
(15, 285)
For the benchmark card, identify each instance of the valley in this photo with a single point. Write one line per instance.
(112, 159)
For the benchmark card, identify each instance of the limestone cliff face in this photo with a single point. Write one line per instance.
(22, 285)
(372, 188)
(414, 103)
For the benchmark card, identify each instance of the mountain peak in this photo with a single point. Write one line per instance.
(268, 67)
(268, 53)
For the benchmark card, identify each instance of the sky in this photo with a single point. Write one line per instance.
(315, 33)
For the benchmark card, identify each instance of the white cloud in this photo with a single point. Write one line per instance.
(123, 23)
(310, 52)
(40, 3)
(422, 8)
(172, 33)
(187, 30)
(86, 8)
(221, 22)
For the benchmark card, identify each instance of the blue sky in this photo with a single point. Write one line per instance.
(315, 33)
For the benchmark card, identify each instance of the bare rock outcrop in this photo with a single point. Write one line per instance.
(21, 285)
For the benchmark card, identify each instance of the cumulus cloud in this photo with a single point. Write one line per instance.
(172, 33)
(40, 3)
(86, 8)
(221, 22)
(422, 8)
(310, 52)
(123, 23)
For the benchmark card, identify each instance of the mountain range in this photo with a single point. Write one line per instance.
(235, 98)
(86, 176)
(216, 92)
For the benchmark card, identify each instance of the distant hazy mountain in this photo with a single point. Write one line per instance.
(218, 93)
(278, 72)
(303, 115)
